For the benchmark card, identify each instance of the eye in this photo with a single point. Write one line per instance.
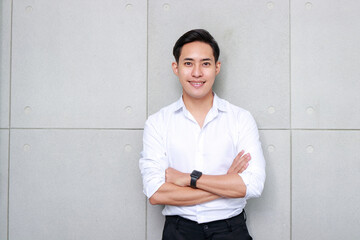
(206, 64)
(187, 63)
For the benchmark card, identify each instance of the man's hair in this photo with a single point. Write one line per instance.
(196, 35)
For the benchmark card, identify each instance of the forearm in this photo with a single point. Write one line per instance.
(171, 194)
(228, 185)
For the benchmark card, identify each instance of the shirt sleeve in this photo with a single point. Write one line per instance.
(153, 161)
(254, 176)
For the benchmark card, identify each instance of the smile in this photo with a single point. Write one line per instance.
(196, 84)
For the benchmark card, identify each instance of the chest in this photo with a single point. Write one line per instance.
(210, 149)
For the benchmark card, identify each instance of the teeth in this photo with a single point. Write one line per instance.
(197, 83)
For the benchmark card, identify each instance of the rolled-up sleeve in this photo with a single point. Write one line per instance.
(254, 176)
(153, 161)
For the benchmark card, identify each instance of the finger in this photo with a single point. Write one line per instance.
(243, 161)
(236, 160)
(240, 154)
(244, 168)
(243, 158)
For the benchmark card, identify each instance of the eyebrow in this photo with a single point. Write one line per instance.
(202, 60)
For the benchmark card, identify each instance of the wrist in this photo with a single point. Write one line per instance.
(187, 180)
(195, 175)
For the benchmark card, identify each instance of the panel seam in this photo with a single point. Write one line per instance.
(147, 99)
(123, 129)
(9, 133)
(291, 129)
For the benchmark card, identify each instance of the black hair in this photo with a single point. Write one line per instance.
(194, 35)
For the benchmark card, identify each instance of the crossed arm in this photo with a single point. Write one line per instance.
(177, 191)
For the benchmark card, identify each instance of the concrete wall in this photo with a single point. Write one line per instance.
(79, 78)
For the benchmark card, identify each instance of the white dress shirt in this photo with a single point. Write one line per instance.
(173, 138)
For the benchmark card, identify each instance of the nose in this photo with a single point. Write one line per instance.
(196, 71)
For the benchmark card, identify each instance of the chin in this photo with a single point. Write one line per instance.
(198, 96)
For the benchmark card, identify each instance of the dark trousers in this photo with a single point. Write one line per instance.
(178, 228)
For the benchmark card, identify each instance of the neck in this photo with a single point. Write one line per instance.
(199, 105)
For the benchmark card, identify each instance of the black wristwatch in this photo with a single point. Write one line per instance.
(195, 175)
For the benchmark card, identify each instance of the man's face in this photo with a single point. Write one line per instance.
(196, 70)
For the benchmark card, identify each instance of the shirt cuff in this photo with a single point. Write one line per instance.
(246, 179)
(154, 183)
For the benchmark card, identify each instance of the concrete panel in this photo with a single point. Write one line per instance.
(254, 42)
(325, 185)
(325, 58)
(79, 64)
(76, 184)
(155, 222)
(269, 215)
(4, 138)
(5, 32)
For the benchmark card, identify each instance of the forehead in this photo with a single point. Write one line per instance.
(197, 50)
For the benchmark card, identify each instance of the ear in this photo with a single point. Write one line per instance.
(175, 68)
(217, 67)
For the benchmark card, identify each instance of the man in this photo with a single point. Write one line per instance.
(197, 151)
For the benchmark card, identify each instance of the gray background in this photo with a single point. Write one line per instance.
(79, 78)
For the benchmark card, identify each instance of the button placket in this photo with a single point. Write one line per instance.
(200, 163)
(197, 153)
(199, 158)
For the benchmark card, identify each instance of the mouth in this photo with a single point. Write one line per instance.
(196, 84)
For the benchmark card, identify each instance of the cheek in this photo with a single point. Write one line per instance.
(184, 75)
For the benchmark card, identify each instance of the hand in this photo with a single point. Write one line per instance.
(240, 163)
(176, 177)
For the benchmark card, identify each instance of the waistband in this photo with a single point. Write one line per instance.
(239, 219)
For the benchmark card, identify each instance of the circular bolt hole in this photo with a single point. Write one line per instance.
(29, 8)
(310, 110)
(166, 7)
(128, 148)
(27, 147)
(271, 148)
(128, 109)
(271, 110)
(129, 6)
(27, 110)
(270, 5)
(310, 149)
(308, 5)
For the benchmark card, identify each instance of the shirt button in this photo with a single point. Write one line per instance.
(206, 227)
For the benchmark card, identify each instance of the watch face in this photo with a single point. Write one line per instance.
(196, 174)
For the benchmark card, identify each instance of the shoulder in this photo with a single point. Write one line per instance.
(160, 118)
(236, 111)
(239, 116)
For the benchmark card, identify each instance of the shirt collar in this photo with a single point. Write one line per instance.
(218, 103)
(179, 104)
